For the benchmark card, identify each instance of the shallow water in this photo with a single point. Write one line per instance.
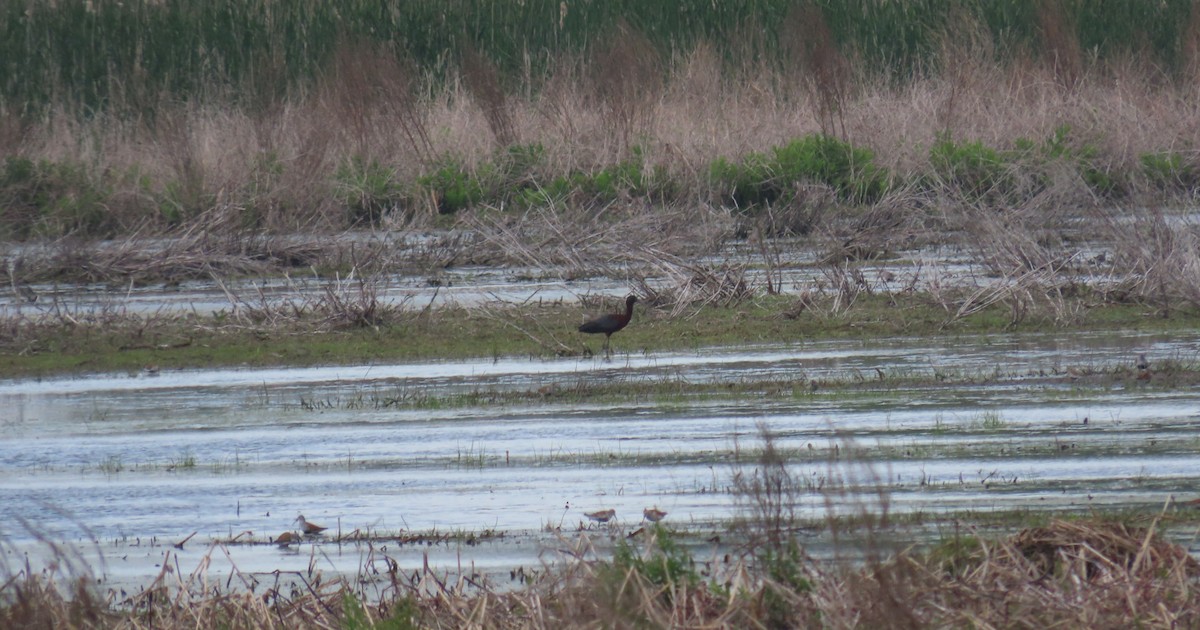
(122, 465)
(796, 268)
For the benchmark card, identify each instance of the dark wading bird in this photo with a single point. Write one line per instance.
(610, 323)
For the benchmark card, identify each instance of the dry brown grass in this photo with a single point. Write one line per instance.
(1158, 257)
(373, 95)
(1060, 46)
(823, 72)
(1068, 574)
(626, 80)
(482, 80)
(614, 240)
(279, 161)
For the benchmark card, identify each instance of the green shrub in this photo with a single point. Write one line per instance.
(786, 567)
(976, 170)
(608, 184)
(403, 615)
(1168, 170)
(1032, 156)
(368, 189)
(740, 183)
(847, 169)
(453, 187)
(1103, 182)
(518, 165)
(766, 179)
(666, 563)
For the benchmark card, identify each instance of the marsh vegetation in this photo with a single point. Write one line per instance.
(894, 263)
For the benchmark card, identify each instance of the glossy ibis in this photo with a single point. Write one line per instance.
(610, 323)
(309, 529)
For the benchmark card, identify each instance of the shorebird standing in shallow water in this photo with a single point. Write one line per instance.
(601, 516)
(309, 529)
(1143, 367)
(286, 538)
(653, 514)
(610, 323)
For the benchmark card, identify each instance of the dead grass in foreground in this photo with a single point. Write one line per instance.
(1068, 574)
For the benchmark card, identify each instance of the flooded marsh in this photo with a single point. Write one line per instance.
(485, 464)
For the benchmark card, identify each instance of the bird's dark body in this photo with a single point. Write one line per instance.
(607, 324)
(610, 323)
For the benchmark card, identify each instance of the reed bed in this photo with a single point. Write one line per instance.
(164, 118)
(103, 54)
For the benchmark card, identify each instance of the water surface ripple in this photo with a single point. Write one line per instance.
(121, 464)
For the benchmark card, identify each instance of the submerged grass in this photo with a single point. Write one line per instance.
(670, 395)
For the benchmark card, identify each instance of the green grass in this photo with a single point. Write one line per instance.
(185, 461)
(461, 333)
(111, 465)
(770, 178)
(990, 422)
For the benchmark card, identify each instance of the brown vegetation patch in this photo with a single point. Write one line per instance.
(1068, 573)
(1099, 552)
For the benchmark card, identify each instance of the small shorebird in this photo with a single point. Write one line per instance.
(286, 538)
(653, 514)
(309, 529)
(1143, 367)
(27, 294)
(602, 516)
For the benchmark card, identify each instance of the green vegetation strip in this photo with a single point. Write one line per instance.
(46, 199)
(128, 343)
